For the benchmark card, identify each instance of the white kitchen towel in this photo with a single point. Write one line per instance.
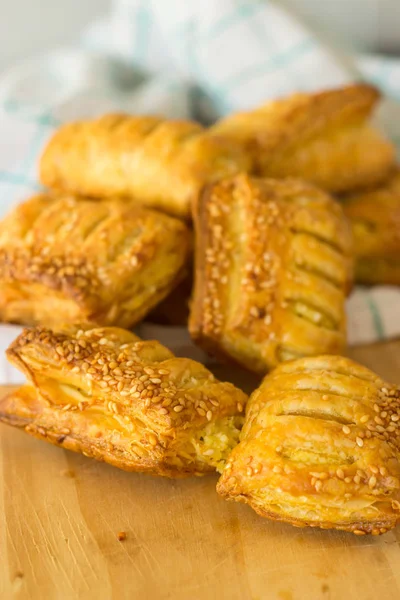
(183, 59)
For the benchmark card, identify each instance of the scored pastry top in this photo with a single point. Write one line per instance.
(320, 446)
(157, 162)
(324, 137)
(70, 259)
(272, 269)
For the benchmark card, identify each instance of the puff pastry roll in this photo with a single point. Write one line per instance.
(69, 260)
(320, 447)
(272, 270)
(107, 394)
(375, 220)
(160, 163)
(325, 138)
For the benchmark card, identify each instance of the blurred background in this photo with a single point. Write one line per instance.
(29, 27)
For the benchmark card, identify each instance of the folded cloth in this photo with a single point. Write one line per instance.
(183, 59)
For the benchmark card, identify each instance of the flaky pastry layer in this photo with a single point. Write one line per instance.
(159, 163)
(65, 259)
(375, 221)
(272, 268)
(320, 447)
(325, 138)
(107, 394)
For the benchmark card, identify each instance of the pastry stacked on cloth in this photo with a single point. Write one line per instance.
(272, 256)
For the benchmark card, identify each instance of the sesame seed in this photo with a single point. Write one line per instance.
(178, 408)
(364, 418)
(340, 473)
(318, 485)
(372, 481)
(346, 429)
(209, 415)
(358, 532)
(277, 469)
(359, 442)
(153, 439)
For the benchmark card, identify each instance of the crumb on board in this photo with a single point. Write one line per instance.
(121, 536)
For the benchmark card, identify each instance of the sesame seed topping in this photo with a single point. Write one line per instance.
(359, 442)
(152, 439)
(346, 429)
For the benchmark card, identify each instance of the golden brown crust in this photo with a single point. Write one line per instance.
(159, 163)
(324, 138)
(272, 269)
(320, 447)
(111, 396)
(375, 220)
(68, 259)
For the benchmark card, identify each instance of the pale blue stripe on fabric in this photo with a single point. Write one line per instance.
(376, 317)
(144, 22)
(18, 179)
(278, 61)
(242, 12)
(29, 160)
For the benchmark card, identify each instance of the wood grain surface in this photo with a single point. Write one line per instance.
(60, 515)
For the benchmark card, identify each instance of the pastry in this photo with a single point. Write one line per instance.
(272, 270)
(107, 394)
(68, 260)
(320, 447)
(325, 138)
(375, 220)
(174, 310)
(159, 163)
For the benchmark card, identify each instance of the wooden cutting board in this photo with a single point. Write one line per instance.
(60, 515)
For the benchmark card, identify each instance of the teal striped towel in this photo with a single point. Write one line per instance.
(183, 59)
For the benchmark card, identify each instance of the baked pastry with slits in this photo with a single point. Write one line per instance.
(320, 447)
(68, 260)
(375, 220)
(109, 395)
(159, 163)
(272, 270)
(325, 138)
